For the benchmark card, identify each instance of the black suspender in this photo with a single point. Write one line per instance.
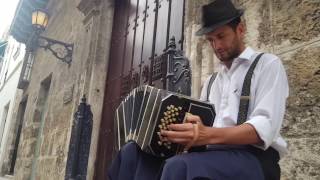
(212, 78)
(245, 93)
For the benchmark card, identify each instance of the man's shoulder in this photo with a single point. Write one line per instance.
(271, 56)
(267, 56)
(269, 59)
(270, 63)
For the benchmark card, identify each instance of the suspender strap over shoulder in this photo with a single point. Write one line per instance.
(212, 78)
(245, 93)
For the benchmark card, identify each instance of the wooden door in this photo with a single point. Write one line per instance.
(141, 31)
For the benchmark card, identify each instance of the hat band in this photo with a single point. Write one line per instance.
(211, 22)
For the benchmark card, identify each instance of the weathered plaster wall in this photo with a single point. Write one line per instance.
(291, 30)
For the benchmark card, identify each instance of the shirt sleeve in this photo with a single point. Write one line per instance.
(269, 102)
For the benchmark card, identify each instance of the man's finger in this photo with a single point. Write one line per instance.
(192, 118)
(183, 141)
(177, 134)
(180, 127)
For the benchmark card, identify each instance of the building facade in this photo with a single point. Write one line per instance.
(107, 35)
(9, 77)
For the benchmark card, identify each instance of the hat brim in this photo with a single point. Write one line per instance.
(206, 30)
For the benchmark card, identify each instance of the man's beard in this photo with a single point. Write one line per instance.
(229, 54)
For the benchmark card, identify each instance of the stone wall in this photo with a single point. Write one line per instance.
(291, 30)
(44, 141)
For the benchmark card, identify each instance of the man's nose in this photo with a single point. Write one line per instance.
(216, 44)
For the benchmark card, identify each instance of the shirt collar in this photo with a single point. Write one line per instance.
(246, 55)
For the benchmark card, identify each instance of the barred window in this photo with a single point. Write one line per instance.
(17, 52)
(26, 70)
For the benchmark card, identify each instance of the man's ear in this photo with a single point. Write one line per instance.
(241, 29)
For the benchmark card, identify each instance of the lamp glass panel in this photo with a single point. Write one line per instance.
(39, 18)
(34, 17)
(45, 23)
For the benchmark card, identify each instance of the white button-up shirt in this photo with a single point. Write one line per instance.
(268, 93)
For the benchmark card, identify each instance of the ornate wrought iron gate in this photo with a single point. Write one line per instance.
(141, 33)
(79, 145)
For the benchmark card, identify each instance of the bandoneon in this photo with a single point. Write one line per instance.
(147, 110)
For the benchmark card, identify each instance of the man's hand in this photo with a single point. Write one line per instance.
(194, 133)
(190, 133)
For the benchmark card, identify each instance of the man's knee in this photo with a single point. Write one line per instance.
(174, 167)
(174, 164)
(125, 162)
(130, 147)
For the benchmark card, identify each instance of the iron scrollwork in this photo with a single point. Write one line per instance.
(145, 74)
(135, 80)
(125, 85)
(158, 67)
(60, 50)
(174, 69)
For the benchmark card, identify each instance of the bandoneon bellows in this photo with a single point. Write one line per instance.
(147, 110)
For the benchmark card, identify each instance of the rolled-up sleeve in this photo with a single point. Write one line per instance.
(269, 102)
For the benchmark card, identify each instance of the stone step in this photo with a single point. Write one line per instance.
(6, 177)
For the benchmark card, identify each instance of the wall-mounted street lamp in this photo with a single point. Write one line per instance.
(60, 50)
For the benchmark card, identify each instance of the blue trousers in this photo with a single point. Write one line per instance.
(228, 164)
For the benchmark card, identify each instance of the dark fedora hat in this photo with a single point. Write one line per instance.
(216, 14)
